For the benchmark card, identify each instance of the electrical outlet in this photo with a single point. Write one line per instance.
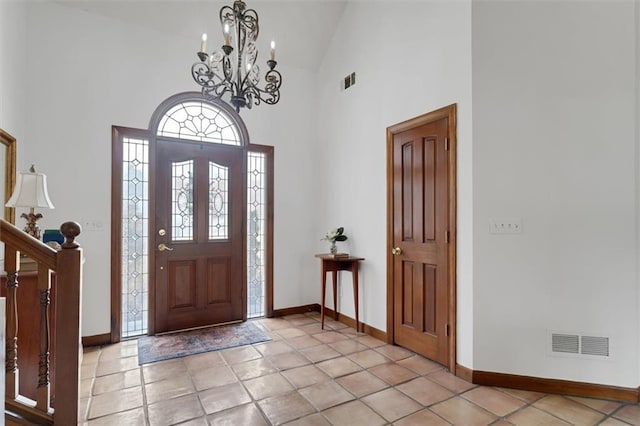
(505, 226)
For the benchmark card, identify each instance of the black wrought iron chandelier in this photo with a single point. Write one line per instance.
(233, 69)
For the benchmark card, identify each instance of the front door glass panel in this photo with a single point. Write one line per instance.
(218, 201)
(182, 200)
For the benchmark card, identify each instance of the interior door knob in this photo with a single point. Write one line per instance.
(163, 247)
(396, 251)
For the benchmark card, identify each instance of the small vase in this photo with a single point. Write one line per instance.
(333, 249)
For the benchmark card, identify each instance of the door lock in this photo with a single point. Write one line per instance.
(396, 251)
(163, 247)
(162, 232)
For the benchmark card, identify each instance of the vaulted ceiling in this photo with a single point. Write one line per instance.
(302, 29)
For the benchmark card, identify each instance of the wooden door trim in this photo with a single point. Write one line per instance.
(449, 112)
(9, 143)
(117, 133)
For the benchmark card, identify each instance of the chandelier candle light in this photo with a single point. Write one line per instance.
(233, 69)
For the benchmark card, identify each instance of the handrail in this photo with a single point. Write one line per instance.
(67, 263)
(26, 244)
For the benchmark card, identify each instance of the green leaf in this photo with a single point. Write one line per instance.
(341, 238)
(340, 230)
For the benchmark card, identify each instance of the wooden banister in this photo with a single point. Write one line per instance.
(19, 240)
(67, 265)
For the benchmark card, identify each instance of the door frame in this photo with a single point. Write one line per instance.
(120, 132)
(449, 112)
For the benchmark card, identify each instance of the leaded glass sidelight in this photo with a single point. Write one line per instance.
(256, 212)
(200, 122)
(182, 200)
(218, 201)
(135, 238)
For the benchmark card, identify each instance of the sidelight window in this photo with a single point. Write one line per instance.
(135, 236)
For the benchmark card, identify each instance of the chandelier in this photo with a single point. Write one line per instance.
(233, 69)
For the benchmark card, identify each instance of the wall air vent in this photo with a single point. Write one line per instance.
(576, 344)
(565, 343)
(591, 345)
(349, 81)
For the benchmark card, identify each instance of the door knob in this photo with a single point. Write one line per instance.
(396, 251)
(163, 247)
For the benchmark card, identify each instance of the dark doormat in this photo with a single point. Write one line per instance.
(177, 345)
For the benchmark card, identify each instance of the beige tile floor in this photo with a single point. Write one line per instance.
(306, 376)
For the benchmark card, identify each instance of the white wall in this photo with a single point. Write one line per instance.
(554, 122)
(555, 143)
(637, 188)
(93, 72)
(12, 58)
(409, 58)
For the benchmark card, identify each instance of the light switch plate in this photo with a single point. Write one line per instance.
(505, 226)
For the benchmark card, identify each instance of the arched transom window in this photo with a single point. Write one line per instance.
(199, 121)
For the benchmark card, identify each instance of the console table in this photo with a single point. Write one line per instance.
(333, 264)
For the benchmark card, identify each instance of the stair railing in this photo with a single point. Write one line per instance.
(66, 263)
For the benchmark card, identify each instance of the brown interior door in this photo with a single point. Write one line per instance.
(199, 262)
(420, 239)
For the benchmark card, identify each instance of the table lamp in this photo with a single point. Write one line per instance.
(31, 192)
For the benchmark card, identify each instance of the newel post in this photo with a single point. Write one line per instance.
(68, 326)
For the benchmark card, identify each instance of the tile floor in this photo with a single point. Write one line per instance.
(306, 376)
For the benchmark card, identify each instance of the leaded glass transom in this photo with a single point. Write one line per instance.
(182, 200)
(199, 121)
(135, 238)
(256, 214)
(218, 201)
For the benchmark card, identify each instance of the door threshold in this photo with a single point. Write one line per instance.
(198, 328)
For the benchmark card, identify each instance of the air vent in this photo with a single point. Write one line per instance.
(349, 81)
(595, 346)
(564, 343)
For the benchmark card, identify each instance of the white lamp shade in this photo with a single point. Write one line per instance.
(30, 191)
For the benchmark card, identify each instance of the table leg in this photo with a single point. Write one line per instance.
(335, 295)
(324, 292)
(354, 272)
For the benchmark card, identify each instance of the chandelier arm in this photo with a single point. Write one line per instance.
(250, 21)
(226, 68)
(209, 80)
(203, 74)
(270, 94)
(226, 16)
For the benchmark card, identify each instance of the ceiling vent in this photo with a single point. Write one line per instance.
(576, 344)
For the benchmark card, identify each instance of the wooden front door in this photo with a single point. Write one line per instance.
(422, 226)
(199, 248)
